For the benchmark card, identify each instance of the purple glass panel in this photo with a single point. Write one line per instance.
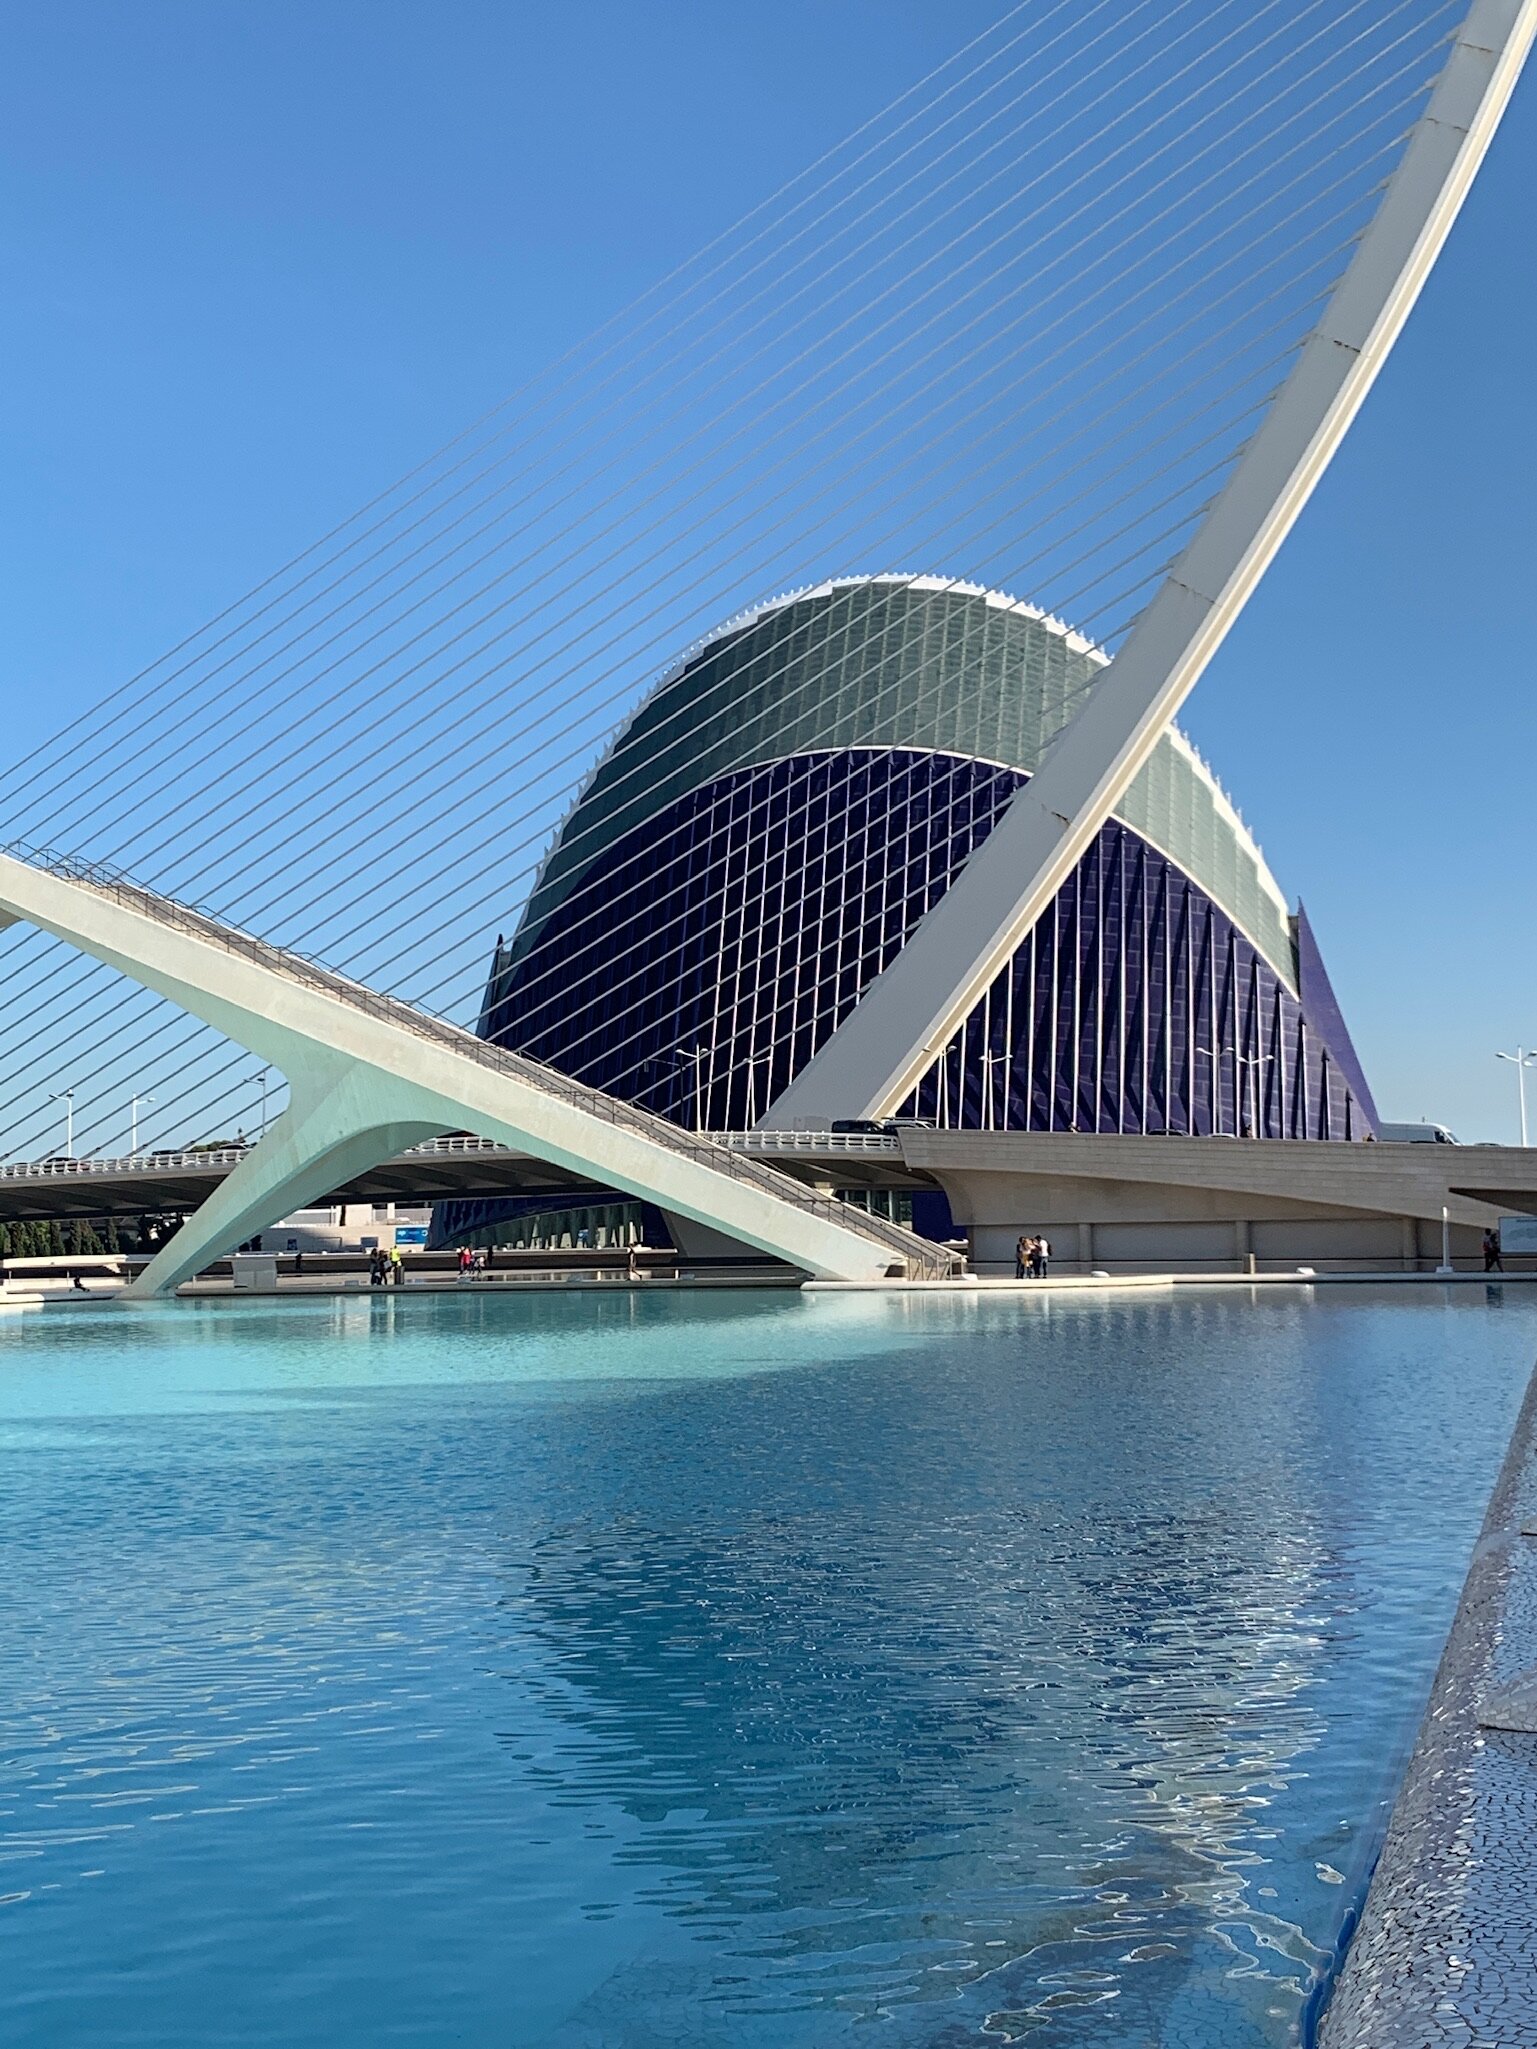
(707, 955)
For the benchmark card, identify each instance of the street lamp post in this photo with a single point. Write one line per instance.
(1521, 1060)
(67, 1098)
(1243, 1085)
(698, 1054)
(990, 1060)
(133, 1124)
(264, 1102)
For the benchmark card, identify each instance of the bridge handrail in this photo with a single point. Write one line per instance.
(808, 1141)
(96, 1163)
(919, 1253)
(174, 1162)
(179, 1161)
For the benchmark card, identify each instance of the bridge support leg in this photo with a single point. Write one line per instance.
(367, 1078)
(332, 1130)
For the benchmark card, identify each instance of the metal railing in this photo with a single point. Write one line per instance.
(920, 1255)
(171, 1161)
(192, 1157)
(808, 1141)
(126, 1163)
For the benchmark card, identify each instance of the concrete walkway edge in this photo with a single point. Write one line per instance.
(1446, 1951)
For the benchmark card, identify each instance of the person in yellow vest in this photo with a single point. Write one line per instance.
(397, 1267)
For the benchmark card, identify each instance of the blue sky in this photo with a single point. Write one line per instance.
(259, 260)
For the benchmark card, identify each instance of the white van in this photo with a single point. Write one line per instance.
(1416, 1134)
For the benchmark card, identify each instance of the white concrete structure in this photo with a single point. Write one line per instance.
(877, 1056)
(345, 1227)
(369, 1076)
(1182, 1205)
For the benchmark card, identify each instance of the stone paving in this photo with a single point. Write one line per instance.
(1446, 1952)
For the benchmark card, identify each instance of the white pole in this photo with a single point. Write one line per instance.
(67, 1098)
(1446, 1266)
(696, 1054)
(989, 1058)
(133, 1124)
(1521, 1060)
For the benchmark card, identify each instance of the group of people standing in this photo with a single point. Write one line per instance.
(471, 1262)
(386, 1269)
(1032, 1257)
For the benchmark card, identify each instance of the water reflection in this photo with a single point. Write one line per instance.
(886, 1692)
(744, 1670)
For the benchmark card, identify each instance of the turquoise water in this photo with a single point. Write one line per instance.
(686, 1670)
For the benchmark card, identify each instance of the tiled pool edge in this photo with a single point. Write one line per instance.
(1446, 1951)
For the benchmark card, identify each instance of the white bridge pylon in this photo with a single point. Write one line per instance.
(908, 1014)
(369, 1076)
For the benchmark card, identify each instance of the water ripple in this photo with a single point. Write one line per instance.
(594, 1675)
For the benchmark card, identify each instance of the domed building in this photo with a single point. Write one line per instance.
(772, 823)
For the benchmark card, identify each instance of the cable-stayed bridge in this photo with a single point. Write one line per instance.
(1084, 316)
(369, 1076)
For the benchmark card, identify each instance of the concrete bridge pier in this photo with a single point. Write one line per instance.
(331, 1131)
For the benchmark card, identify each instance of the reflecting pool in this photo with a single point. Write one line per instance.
(611, 1671)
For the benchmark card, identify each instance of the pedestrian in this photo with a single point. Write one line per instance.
(1493, 1263)
(397, 1267)
(1024, 1253)
(376, 1268)
(1042, 1257)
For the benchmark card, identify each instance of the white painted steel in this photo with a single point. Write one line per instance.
(904, 1020)
(808, 1141)
(1521, 1059)
(137, 1165)
(370, 1077)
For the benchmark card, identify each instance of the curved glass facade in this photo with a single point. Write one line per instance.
(772, 824)
(898, 662)
(713, 949)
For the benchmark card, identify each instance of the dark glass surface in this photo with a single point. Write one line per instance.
(712, 950)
